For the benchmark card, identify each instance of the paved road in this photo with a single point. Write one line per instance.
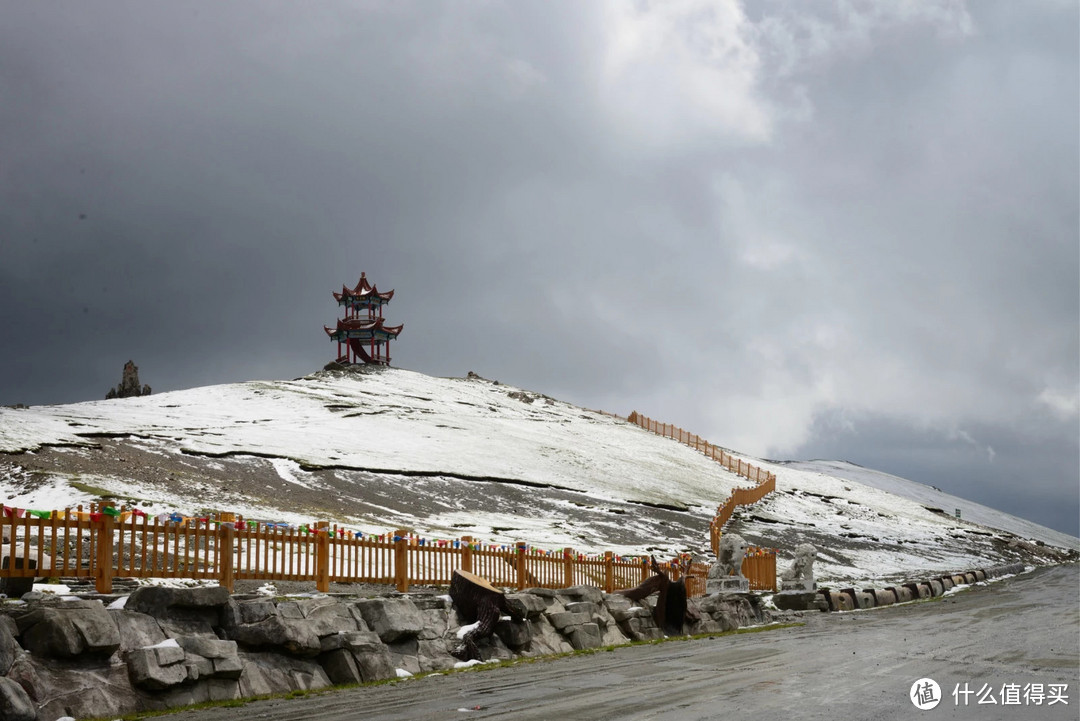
(857, 665)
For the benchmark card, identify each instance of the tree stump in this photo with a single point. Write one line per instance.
(477, 601)
(671, 609)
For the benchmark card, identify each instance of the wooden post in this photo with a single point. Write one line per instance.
(609, 572)
(401, 560)
(103, 583)
(322, 558)
(522, 572)
(466, 553)
(568, 567)
(226, 540)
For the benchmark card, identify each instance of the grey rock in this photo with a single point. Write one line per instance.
(327, 615)
(137, 630)
(297, 637)
(565, 619)
(281, 673)
(431, 603)
(392, 618)
(253, 682)
(405, 654)
(66, 632)
(9, 649)
(583, 593)
(289, 609)
(515, 634)
(15, 704)
(227, 667)
(794, 600)
(731, 611)
(435, 621)
(526, 605)
(155, 600)
(340, 667)
(168, 655)
(198, 666)
(207, 647)
(612, 635)
(587, 635)
(180, 627)
(224, 688)
(588, 608)
(545, 639)
(374, 662)
(146, 671)
(255, 611)
(434, 654)
(641, 628)
(94, 690)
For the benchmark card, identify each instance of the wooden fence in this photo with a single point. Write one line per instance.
(764, 482)
(103, 545)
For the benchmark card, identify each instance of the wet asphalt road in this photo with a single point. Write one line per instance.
(858, 665)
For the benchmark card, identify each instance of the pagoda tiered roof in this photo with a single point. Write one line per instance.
(364, 294)
(363, 329)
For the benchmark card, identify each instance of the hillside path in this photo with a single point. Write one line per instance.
(1022, 630)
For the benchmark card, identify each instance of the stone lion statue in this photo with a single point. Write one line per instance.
(729, 558)
(801, 572)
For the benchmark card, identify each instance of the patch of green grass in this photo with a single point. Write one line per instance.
(91, 490)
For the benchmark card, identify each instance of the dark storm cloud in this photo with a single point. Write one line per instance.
(743, 221)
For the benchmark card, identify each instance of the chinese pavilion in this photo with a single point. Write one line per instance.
(361, 335)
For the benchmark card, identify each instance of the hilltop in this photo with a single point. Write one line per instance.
(377, 449)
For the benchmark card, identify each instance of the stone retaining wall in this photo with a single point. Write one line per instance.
(172, 647)
(850, 599)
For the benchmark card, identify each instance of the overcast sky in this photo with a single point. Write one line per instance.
(843, 230)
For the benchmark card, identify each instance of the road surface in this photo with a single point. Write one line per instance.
(1005, 641)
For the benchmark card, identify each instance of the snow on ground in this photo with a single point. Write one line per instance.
(413, 451)
(935, 498)
(396, 420)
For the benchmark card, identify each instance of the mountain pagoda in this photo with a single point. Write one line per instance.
(361, 335)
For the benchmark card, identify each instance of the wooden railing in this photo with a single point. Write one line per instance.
(764, 482)
(101, 546)
(103, 543)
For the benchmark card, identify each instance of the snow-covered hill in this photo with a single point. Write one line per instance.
(381, 449)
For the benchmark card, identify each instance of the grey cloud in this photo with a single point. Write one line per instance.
(882, 218)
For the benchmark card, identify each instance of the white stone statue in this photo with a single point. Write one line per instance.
(800, 577)
(725, 576)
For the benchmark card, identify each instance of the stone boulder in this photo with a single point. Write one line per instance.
(137, 630)
(15, 704)
(182, 611)
(158, 667)
(731, 611)
(393, 619)
(526, 605)
(9, 649)
(68, 629)
(355, 657)
(295, 636)
(90, 687)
